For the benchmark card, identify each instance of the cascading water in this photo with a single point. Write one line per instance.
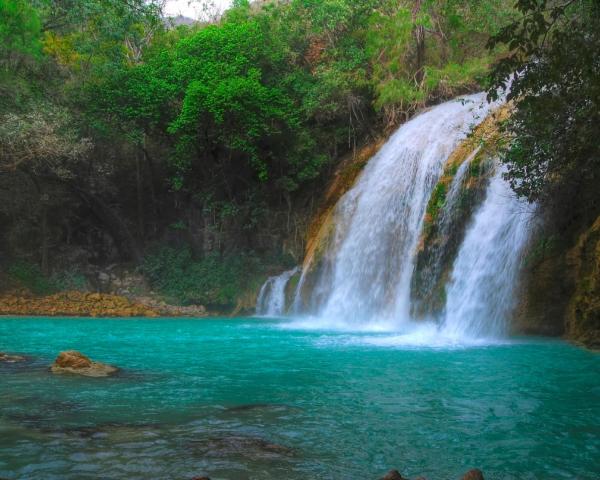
(379, 221)
(271, 298)
(485, 272)
(363, 276)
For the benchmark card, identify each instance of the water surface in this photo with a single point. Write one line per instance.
(258, 399)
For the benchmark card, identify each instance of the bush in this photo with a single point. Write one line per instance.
(29, 276)
(214, 280)
(69, 280)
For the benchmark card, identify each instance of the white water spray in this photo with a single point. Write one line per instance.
(271, 298)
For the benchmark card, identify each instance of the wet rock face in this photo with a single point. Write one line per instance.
(560, 287)
(75, 362)
(474, 474)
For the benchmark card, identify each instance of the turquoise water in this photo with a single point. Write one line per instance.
(256, 399)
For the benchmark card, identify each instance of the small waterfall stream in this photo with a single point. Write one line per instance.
(271, 298)
(485, 272)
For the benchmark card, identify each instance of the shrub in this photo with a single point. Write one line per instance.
(31, 277)
(214, 280)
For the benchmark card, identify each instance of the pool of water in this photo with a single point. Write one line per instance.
(260, 399)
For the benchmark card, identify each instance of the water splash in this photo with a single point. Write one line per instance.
(378, 222)
(271, 298)
(484, 275)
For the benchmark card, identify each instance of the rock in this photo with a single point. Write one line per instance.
(104, 277)
(72, 361)
(5, 357)
(393, 475)
(239, 445)
(474, 474)
(201, 478)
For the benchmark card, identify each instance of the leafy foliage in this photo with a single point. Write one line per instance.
(122, 131)
(424, 50)
(554, 155)
(212, 281)
(30, 276)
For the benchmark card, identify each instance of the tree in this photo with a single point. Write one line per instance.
(552, 75)
(42, 145)
(424, 50)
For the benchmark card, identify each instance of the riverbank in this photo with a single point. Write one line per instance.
(87, 304)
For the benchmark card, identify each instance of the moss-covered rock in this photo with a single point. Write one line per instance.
(560, 288)
(545, 289)
(583, 311)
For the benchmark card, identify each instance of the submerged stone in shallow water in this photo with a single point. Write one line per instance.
(7, 358)
(240, 445)
(270, 407)
(72, 361)
(474, 474)
(393, 475)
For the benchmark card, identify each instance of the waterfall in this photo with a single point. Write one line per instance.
(361, 274)
(378, 222)
(271, 298)
(485, 272)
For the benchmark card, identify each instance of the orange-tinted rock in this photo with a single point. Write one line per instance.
(72, 361)
(75, 304)
(474, 474)
(393, 475)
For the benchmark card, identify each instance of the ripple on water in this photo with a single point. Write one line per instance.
(254, 399)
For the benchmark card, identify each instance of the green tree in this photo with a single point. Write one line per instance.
(424, 50)
(553, 78)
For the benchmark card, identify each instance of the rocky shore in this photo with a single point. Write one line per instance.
(85, 304)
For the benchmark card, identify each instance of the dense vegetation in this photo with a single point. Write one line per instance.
(553, 155)
(124, 138)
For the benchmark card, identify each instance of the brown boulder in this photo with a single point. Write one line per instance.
(474, 474)
(72, 361)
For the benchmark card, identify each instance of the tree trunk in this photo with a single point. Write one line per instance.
(117, 229)
(140, 194)
(152, 174)
(419, 34)
(45, 269)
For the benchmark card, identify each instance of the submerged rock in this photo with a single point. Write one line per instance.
(240, 445)
(393, 475)
(72, 361)
(8, 358)
(270, 407)
(473, 474)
